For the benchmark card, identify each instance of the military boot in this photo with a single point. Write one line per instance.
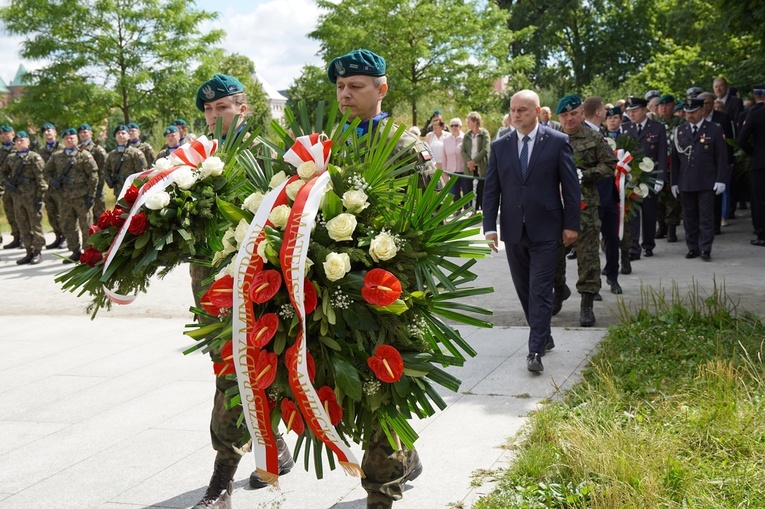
(285, 464)
(56, 242)
(672, 233)
(15, 243)
(36, 257)
(559, 295)
(626, 264)
(218, 494)
(662, 231)
(586, 315)
(27, 258)
(74, 257)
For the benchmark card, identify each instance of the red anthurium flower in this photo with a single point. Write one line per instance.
(221, 292)
(139, 224)
(131, 195)
(310, 297)
(381, 288)
(93, 229)
(290, 357)
(227, 355)
(291, 416)
(329, 402)
(209, 306)
(387, 364)
(264, 286)
(91, 256)
(263, 330)
(264, 373)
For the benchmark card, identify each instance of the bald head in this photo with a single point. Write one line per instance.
(524, 110)
(526, 95)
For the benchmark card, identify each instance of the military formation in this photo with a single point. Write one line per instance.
(66, 177)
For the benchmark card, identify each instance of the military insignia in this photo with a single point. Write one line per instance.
(232, 88)
(339, 68)
(208, 92)
(425, 154)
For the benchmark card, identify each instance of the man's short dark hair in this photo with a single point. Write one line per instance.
(592, 105)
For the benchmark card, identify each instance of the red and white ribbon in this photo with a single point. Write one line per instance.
(313, 147)
(622, 169)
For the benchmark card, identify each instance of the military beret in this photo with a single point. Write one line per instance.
(21, 134)
(651, 94)
(758, 89)
(133, 125)
(68, 131)
(47, 125)
(219, 86)
(568, 103)
(666, 99)
(616, 110)
(636, 102)
(359, 61)
(84, 127)
(694, 91)
(437, 112)
(679, 106)
(121, 127)
(179, 121)
(693, 104)
(6, 129)
(171, 129)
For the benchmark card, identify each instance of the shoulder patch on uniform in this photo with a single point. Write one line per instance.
(425, 154)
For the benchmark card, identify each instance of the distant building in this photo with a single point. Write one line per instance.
(9, 93)
(5, 94)
(276, 100)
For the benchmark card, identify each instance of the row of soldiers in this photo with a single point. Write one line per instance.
(68, 176)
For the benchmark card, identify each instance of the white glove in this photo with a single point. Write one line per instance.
(719, 188)
(658, 186)
(675, 190)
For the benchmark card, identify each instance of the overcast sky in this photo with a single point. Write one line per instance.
(271, 32)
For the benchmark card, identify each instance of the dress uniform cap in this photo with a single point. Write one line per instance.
(758, 89)
(568, 103)
(359, 61)
(179, 121)
(635, 102)
(651, 94)
(133, 125)
(218, 87)
(6, 129)
(21, 134)
(46, 126)
(121, 127)
(694, 91)
(666, 99)
(69, 131)
(169, 130)
(616, 110)
(693, 103)
(84, 127)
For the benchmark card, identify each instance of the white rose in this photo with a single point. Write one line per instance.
(241, 231)
(261, 249)
(229, 241)
(307, 170)
(184, 178)
(342, 227)
(158, 201)
(292, 189)
(646, 165)
(279, 215)
(355, 201)
(212, 166)
(277, 179)
(336, 266)
(383, 247)
(162, 164)
(252, 202)
(228, 270)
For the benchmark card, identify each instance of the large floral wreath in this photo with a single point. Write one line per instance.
(333, 275)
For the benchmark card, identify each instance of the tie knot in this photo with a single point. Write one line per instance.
(526, 139)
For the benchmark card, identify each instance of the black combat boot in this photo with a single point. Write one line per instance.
(74, 257)
(626, 264)
(36, 257)
(662, 231)
(27, 258)
(56, 244)
(15, 243)
(672, 233)
(218, 494)
(285, 464)
(586, 315)
(559, 295)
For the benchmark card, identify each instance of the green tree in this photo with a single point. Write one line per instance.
(313, 87)
(430, 46)
(137, 51)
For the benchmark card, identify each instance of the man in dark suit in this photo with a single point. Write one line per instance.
(722, 206)
(733, 104)
(532, 174)
(651, 136)
(545, 114)
(699, 158)
(752, 141)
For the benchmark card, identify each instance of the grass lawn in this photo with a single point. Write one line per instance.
(670, 414)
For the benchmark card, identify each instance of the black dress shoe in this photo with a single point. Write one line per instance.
(550, 344)
(648, 253)
(534, 363)
(706, 256)
(692, 254)
(634, 256)
(758, 242)
(285, 464)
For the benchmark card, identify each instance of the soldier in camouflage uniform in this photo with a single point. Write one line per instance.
(135, 141)
(72, 176)
(172, 141)
(595, 159)
(22, 175)
(85, 133)
(50, 135)
(670, 210)
(123, 161)
(183, 128)
(6, 136)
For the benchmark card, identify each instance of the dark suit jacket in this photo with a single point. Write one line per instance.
(733, 106)
(535, 200)
(705, 163)
(554, 124)
(752, 135)
(727, 124)
(653, 142)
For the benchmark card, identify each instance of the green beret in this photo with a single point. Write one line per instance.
(359, 61)
(84, 127)
(666, 99)
(133, 125)
(616, 110)
(21, 134)
(568, 103)
(171, 129)
(48, 125)
(68, 132)
(221, 85)
(180, 121)
(636, 102)
(121, 127)
(6, 129)
(679, 106)
(693, 104)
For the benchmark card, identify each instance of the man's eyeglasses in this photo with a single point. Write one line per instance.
(455, 125)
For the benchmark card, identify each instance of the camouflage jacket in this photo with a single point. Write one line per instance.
(164, 152)
(147, 150)
(99, 154)
(426, 164)
(120, 165)
(25, 173)
(594, 158)
(46, 152)
(76, 180)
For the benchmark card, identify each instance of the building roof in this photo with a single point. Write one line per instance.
(3, 87)
(270, 91)
(20, 80)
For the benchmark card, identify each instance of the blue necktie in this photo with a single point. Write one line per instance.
(525, 156)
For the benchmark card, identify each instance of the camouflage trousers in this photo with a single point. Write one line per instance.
(29, 221)
(626, 242)
(587, 254)
(99, 205)
(73, 213)
(51, 209)
(670, 210)
(385, 470)
(10, 214)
